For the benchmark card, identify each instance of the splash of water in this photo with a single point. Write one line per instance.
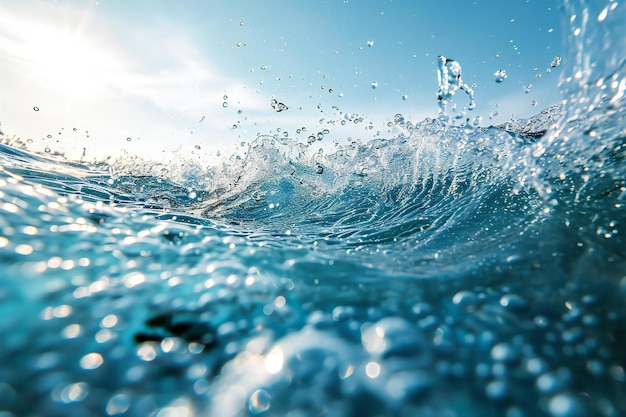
(450, 81)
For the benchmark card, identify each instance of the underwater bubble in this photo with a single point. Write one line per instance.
(259, 402)
(47, 150)
(225, 104)
(118, 404)
(372, 369)
(91, 361)
(374, 85)
(225, 97)
(499, 75)
(556, 61)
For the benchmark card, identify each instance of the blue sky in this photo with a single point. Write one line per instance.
(156, 72)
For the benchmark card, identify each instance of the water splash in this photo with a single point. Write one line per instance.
(449, 76)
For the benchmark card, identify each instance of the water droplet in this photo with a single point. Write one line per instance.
(128, 139)
(225, 104)
(259, 402)
(265, 67)
(36, 108)
(74, 129)
(533, 103)
(197, 147)
(241, 23)
(398, 119)
(497, 55)
(499, 75)
(538, 76)
(277, 106)
(370, 43)
(243, 143)
(47, 150)
(320, 135)
(374, 85)
(238, 44)
(405, 97)
(556, 61)
(319, 169)
(49, 136)
(310, 139)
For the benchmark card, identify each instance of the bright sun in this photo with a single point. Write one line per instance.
(66, 62)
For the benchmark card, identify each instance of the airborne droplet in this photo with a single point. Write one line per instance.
(499, 76)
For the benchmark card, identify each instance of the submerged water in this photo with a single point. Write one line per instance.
(445, 271)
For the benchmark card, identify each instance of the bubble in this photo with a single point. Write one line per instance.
(241, 23)
(497, 55)
(265, 67)
(36, 108)
(118, 404)
(74, 129)
(533, 102)
(259, 402)
(374, 85)
(405, 97)
(239, 44)
(320, 135)
(47, 150)
(372, 369)
(49, 136)
(128, 139)
(91, 361)
(311, 139)
(370, 43)
(538, 76)
(499, 75)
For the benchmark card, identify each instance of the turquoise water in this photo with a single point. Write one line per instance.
(445, 271)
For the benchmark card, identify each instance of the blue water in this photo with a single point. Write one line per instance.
(445, 271)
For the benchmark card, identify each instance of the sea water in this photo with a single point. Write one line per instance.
(444, 271)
